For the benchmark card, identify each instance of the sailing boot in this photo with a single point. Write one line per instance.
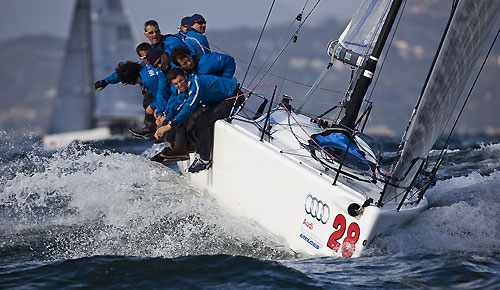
(169, 154)
(147, 131)
(142, 133)
(199, 165)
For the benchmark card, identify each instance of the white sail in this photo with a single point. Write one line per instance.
(75, 101)
(470, 25)
(113, 42)
(100, 38)
(363, 29)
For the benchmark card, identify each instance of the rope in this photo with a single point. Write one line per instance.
(275, 75)
(288, 42)
(272, 52)
(305, 132)
(295, 37)
(258, 42)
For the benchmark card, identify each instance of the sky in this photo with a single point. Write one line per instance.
(53, 17)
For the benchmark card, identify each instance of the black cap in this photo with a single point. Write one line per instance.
(154, 54)
(185, 21)
(195, 18)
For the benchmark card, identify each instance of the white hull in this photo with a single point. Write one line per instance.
(255, 180)
(54, 141)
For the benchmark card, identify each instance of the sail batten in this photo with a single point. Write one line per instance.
(470, 25)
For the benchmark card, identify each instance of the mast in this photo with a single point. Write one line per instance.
(368, 69)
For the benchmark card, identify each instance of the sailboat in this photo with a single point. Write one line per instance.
(100, 37)
(321, 187)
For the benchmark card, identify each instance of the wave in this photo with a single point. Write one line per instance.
(84, 201)
(81, 202)
(463, 218)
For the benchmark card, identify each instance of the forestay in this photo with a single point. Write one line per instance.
(469, 27)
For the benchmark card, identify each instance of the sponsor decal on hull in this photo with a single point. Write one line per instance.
(309, 241)
(317, 208)
(308, 225)
(348, 245)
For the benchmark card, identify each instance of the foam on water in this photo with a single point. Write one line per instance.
(463, 214)
(80, 202)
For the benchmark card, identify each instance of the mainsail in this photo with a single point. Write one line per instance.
(100, 37)
(468, 29)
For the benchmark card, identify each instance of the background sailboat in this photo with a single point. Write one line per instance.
(100, 37)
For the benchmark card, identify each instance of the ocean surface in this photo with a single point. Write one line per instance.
(101, 215)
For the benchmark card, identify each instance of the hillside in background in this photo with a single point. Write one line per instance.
(32, 65)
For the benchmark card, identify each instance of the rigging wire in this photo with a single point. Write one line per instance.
(387, 51)
(290, 55)
(288, 42)
(258, 42)
(272, 52)
(275, 75)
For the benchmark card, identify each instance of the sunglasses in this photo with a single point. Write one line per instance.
(153, 32)
(201, 22)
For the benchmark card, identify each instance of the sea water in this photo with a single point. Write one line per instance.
(102, 215)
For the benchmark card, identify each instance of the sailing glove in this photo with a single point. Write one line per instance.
(100, 85)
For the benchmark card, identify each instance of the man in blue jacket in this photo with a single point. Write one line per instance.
(151, 79)
(167, 42)
(217, 64)
(184, 27)
(149, 127)
(195, 40)
(205, 98)
(160, 60)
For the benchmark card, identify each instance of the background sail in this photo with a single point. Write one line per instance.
(462, 45)
(362, 31)
(75, 102)
(100, 38)
(113, 42)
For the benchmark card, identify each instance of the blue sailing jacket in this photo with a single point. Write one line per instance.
(171, 41)
(197, 43)
(217, 64)
(156, 83)
(202, 89)
(113, 78)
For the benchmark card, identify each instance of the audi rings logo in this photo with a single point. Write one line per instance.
(317, 209)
